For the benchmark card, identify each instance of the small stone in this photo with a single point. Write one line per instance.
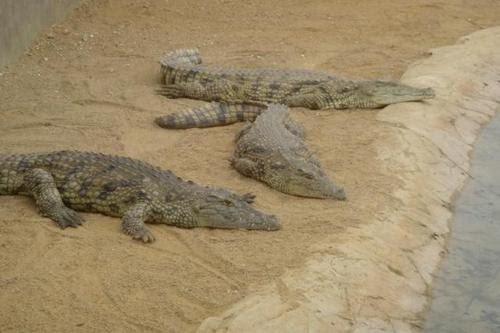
(65, 31)
(45, 58)
(50, 35)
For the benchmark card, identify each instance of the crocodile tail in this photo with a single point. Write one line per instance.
(181, 57)
(210, 115)
(178, 60)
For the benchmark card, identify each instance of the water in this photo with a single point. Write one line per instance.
(466, 295)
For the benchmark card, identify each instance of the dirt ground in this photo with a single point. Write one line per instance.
(89, 83)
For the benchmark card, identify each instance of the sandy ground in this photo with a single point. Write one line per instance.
(89, 84)
(378, 275)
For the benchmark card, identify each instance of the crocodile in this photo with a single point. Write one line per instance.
(62, 182)
(272, 150)
(184, 75)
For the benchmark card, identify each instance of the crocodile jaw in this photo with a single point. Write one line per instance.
(375, 94)
(231, 212)
(321, 188)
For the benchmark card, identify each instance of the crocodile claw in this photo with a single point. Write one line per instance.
(67, 217)
(145, 235)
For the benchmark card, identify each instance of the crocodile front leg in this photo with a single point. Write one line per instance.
(294, 127)
(133, 222)
(41, 185)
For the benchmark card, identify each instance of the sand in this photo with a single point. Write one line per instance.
(89, 83)
(378, 276)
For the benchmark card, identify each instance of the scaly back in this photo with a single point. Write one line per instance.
(95, 168)
(184, 65)
(273, 131)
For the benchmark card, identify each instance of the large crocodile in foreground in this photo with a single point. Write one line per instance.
(123, 187)
(183, 75)
(272, 150)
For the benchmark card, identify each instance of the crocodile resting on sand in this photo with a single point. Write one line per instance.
(250, 90)
(272, 150)
(123, 187)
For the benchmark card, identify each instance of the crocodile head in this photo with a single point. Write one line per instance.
(378, 93)
(223, 209)
(299, 176)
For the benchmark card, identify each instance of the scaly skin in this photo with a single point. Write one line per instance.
(140, 193)
(213, 114)
(272, 150)
(183, 75)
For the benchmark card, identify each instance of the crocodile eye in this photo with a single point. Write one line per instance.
(213, 198)
(305, 174)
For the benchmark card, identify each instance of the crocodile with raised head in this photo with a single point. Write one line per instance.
(123, 187)
(272, 150)
(183, 75)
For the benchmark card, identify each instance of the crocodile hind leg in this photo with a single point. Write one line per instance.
(133, 222)
(245, 166)
(244, 130)
(210, 115)
(41, 185)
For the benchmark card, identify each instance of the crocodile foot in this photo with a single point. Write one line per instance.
(248, 197)
(144, 234)
(66, 217)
